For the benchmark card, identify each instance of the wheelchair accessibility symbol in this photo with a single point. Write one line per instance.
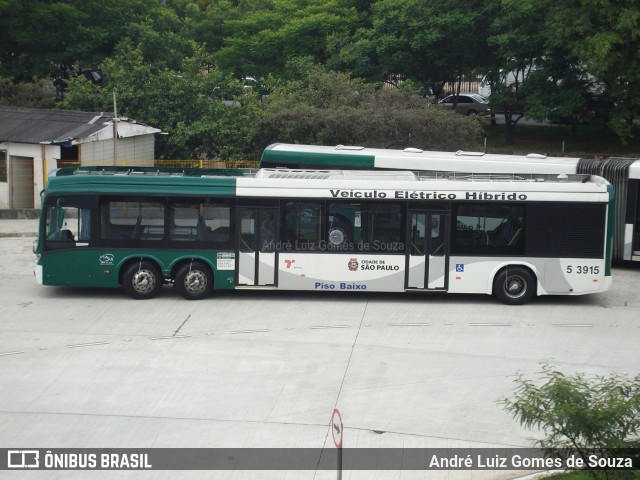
(459, 267)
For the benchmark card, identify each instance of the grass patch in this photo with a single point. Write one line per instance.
(590, 140)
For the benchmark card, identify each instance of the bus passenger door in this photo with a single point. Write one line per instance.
(256, 246)
(428, 252)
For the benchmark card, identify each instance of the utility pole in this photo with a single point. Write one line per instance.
(115, 130)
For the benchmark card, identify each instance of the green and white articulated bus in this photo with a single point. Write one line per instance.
(622, 173)
(352, 231)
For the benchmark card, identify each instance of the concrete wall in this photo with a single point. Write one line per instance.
(45, 158)
(139, 150)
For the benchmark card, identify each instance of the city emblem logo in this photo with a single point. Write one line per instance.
(106, 259)
(353, 264)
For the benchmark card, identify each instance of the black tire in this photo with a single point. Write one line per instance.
(142, 280)
(194, 281)
(514, 285)
(471, 113)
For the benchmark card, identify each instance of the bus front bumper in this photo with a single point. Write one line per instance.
(38, 273)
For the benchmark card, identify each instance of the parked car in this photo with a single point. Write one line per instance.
(468, 104)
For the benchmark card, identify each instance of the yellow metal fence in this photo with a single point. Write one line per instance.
(172, 163)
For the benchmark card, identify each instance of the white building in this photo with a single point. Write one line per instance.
(35, 141)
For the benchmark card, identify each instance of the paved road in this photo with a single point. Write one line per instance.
(93, 368)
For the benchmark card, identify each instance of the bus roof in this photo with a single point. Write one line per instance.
(362, 158)
(340, 156)
(290, 183)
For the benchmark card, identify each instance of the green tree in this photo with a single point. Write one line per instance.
(558, 88)
(554, 57)
(576, 413)
(330, 108)
(162, 39)
(428, 42)
(206, 114)
(603, 37)
(45, 38)
(30, 95)
(263, 40)
(517, 40)
(205, 23)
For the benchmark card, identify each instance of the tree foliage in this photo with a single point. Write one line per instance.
(326, 107)
(429, 42)
(576, 413)
(31, 95)
(56, 38)
(262, 41)
(518, 44)
(602, 36)
(541, 56)
(206, 114)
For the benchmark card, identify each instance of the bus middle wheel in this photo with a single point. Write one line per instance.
(142, 280)
(194, 281)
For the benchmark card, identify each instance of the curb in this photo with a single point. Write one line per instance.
(18, 234)
(19, 214)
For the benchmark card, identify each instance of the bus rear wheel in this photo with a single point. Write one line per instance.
(514, 285)
(194, 281)
(142, 280)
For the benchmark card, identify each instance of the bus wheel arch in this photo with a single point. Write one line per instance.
(193, 279)
(141, 278)
(515, 284)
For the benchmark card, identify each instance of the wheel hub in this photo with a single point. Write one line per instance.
(515, 286)
(143, 281)
(195, 281)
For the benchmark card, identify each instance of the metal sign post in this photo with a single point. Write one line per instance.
(336, 433)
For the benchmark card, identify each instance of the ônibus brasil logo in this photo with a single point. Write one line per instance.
(353, 264)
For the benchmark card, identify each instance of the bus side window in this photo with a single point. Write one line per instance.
(195, 221)
(302, 225)
(132, 220)
(489, 229)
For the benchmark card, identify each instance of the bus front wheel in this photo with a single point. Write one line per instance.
(514, 285)
(142, 280)
(194, 281)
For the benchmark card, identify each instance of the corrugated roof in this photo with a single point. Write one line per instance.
(32, 125)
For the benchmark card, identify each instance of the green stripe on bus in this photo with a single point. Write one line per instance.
(133, 185)
(334, 160)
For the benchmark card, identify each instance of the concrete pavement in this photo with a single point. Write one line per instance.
(93, 368)
(19, 227)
